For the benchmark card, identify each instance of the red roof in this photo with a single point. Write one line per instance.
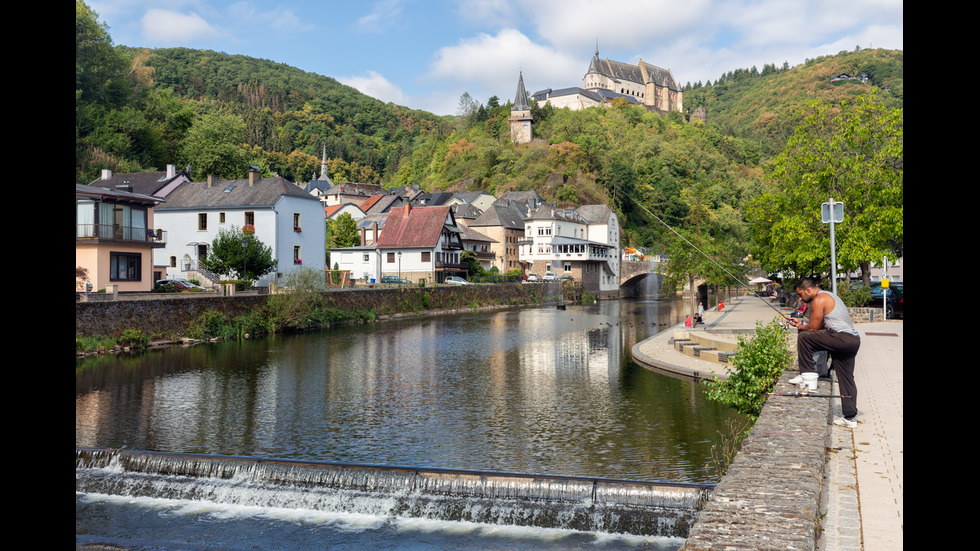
(414, 227)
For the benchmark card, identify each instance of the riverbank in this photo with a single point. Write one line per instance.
(167, 320)
(799, 481)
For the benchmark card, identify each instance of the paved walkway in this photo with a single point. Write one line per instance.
(863, 487)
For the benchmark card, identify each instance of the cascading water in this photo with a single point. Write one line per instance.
(568, 503)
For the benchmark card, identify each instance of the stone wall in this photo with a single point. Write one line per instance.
(770, 497)
(169, 314)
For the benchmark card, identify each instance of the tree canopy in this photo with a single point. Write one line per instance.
(853, 153)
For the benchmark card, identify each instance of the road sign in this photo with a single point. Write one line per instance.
(838, 212)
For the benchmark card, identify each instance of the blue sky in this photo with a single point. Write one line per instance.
(425, 53)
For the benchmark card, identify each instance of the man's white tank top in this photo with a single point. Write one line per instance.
(839, 320)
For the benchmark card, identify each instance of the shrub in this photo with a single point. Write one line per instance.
(758, 363)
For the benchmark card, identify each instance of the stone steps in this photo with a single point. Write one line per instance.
(705, 346)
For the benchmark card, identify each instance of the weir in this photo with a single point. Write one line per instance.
(564, 502)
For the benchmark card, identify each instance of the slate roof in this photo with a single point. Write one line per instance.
(634, 73)
(470, 234)
(265, 192)
(96, 192)
(146, 183)
(419, 227)
(595, 214)
(499, 215)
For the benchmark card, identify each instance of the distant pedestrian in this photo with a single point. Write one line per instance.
(700, 310)
(829, 329)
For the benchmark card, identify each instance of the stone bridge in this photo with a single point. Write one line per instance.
(634, 276)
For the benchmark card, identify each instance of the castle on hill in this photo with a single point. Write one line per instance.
(605, 80)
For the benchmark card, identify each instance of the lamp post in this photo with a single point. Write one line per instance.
(245, 263)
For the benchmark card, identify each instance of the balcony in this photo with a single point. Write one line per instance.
(119, 235)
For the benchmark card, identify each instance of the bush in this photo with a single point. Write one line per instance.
(758, 363)
(854, 297)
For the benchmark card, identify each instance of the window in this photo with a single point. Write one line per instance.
(125, 266)
(221, 218)
(426, 256)
(297, 255)
(249, 218)
(568, 267)
(173, 261)
(296, 224)
(202, 221)
(391, 258)
(367, 257)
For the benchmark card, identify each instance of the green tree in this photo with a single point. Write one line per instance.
(343, 232)
(853, 153)
(213, 146)
(227, 256)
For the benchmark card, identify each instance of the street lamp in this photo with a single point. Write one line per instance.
(244, 263)
(399, 268)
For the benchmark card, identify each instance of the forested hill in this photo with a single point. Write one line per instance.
(767, 105)
(139, 109)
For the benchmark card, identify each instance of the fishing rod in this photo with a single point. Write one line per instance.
(799, 394)
(693, 246)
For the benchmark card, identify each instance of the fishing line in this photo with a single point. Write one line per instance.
(693, 246)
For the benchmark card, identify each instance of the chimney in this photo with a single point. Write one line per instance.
(211, 180)
(253, 175)
(171, 171)
(408, 209)
(106, 174)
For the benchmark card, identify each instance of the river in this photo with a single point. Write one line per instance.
(530, 390)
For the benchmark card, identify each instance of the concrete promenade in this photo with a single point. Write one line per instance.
(862, 489)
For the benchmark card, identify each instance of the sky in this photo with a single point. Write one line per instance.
(424, 54)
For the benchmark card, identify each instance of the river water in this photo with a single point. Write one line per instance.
(533, 390)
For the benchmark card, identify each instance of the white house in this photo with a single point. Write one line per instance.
(415, 243)
(582, 243)
(284, 216)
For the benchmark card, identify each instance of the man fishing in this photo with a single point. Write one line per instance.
(830, 329)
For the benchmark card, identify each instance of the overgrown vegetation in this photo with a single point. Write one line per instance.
(758, 363)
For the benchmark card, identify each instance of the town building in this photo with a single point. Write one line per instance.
(605, 80)
(115, 237)
(582, 243)
(283, 216)
(414, 243)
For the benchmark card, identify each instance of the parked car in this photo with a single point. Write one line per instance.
(550, 276)
(456, 280)
(393, 279)
(533, 277)
(895, 306)
(176, 285)
(567, 277)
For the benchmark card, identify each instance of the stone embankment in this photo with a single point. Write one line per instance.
(170, 314)
(770, 497)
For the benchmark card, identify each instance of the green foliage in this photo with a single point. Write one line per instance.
(758, 363)
(856, 296)
(853, 152)
(227, 256)
(343, 232)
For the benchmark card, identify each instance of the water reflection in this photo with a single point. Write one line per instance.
(530, 390)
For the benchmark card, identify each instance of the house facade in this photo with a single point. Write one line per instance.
(115, 238)
(503, 224)
(582, 243)
(284, 217)
(415, 244)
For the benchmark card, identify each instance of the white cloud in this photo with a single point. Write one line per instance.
(383, 14)
(377, 86)
(169, 27)
(488, 60)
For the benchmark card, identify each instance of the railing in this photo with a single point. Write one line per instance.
(111, 232)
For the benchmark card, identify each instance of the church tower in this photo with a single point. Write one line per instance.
(520, 115)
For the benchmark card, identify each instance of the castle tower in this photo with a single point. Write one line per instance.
(520, 115)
